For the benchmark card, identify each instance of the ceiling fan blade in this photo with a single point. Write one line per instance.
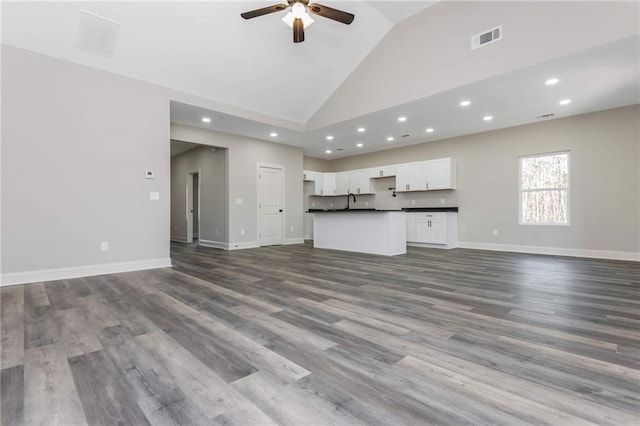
(263, 11)
(298, 31)
(331, 13)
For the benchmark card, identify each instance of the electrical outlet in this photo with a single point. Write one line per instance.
(291, 229)
(104, 246)
(366, 204)
(313, 204)
(238, 200)
(330, 204)
(413, 202)
(495, 232)
(242, 232)
(442, 200)
(154, 195)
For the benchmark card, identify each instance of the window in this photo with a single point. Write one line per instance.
(544, 189)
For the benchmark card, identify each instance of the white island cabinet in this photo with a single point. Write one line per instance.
(362, 231)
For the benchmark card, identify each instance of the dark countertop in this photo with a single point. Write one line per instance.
(348, 211)
(429, 209)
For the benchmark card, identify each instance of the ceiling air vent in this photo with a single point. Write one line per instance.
(486, 37)
(97, 34)
(547, 115)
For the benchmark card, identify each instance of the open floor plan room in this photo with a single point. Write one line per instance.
(294, 335)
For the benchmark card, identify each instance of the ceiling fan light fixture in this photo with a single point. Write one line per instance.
(291, 16)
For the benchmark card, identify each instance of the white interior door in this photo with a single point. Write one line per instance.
(270, 205)
(189, 208)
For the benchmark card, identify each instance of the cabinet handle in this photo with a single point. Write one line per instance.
(321, 191)
(427, 185)
(381, 173)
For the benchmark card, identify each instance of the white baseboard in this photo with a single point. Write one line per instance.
(245, 245)
(555, 251)
(82, 271)
(308, 237)
(214, 244)
(178, 239)
(289, 241)
(428, 245)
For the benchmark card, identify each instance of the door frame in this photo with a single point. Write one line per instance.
(189, 195)
(283, 181)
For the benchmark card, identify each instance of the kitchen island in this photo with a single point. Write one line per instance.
(361, 230)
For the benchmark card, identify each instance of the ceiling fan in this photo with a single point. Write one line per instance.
(298, 18)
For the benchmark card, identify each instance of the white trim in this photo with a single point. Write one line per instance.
(240, 246)
(555, 251)
(307, 237)
(214, 244)
(83, 271)
(178, 239)
(289, 241)
(430, 245)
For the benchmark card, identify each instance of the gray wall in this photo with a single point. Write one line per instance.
(243, 157)
(605, 181)
(212, 167)
(76, 143)
(75, 146)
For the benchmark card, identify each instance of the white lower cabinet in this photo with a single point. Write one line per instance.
(437, 228)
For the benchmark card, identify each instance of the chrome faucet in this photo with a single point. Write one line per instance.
(349, 197)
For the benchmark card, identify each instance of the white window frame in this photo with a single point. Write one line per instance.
(520, 190)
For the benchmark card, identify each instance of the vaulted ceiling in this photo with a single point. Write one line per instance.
(398, 58)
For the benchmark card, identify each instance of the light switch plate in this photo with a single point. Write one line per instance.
(238, 200)
(154, 195)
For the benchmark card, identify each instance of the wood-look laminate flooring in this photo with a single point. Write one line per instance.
(294, 335)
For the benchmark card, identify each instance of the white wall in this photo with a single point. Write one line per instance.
(605, 184)
(211, 164)
(76, 144)
(243, 156)
(430, 52)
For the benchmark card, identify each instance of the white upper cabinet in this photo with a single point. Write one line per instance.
(409, 177)
(360, 183)
(380, 172)
(426, 175)
(343, 180)
(439, 174)
(308, 175)
(326, 185)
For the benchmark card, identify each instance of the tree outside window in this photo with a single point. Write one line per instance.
(544, 189)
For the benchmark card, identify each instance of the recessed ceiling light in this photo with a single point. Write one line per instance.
(551, 81)
(329, 138)
(328, 151)
(360, 145)
(487, 118)
(206, 120)
(465, 103)
(429, 130)
(273, 134)
(361, 129)
(402, 119)
(565, 102)
(390, 138)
